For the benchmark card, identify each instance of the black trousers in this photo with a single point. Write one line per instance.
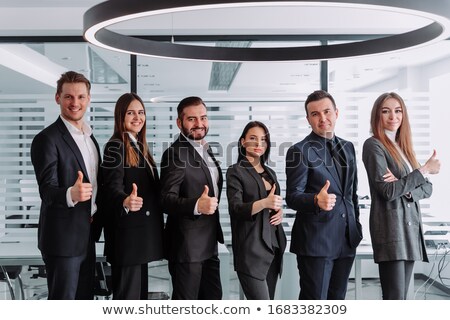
(130, 282)
(70, 278)
(395, 277)
(196, 280)
(256, 289)
(324, 278)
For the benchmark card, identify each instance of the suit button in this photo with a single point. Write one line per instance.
(343, 215)
(409, 223)
(147, 213)
(408, 205)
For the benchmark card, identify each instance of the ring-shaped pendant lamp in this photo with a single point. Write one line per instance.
(98, 18)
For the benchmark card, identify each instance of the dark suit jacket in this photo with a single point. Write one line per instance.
(62, 231)
(395, 219)
(319, 233)
(137, 237)
(184, 174)
(251, 234)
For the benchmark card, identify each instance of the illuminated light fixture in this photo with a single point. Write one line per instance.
(100, 17)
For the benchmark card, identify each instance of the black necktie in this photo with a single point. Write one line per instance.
(338, 159)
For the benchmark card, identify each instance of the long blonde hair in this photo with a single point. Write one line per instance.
(403, 136)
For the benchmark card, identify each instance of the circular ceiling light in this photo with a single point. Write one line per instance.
(100, 17)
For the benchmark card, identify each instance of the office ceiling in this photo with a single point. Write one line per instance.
(167, 80)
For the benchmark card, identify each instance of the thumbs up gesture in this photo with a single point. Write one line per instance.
(273, 201)
(432, 166)
(325, 200)
(207, 204)
(81, 191)
(133, 202)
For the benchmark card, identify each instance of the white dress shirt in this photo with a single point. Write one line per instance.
(90, 157)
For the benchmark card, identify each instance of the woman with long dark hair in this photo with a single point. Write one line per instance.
(134, 221)
(255, 207)
(397, 182)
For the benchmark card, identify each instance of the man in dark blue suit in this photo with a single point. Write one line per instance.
(321, 187)
(66, 157)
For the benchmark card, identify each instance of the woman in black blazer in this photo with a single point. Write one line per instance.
(397, 182)
(134, 226)
(255, 208)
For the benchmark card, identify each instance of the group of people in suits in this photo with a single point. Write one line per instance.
(125, 195)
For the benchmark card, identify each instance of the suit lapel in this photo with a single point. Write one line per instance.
(73, 146)
(199, 160)
(319, 146)
(266, 236)
(345, 153)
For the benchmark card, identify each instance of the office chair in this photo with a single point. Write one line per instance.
(30, 199)
(12, 272)
(103, 280)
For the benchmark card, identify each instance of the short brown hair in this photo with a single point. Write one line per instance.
(72, 77)
(316, 96)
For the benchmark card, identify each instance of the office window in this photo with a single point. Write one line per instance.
(29, 72)
(420, 76)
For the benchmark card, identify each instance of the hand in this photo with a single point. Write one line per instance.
(432, 166)
(207, 204)
(389, 176)
(81, 191)
(277, 218)
(133, 202)
(325, 200)
(273, 201)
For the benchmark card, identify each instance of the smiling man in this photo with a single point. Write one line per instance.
(321, 186)
(191, 182)
(66, 157)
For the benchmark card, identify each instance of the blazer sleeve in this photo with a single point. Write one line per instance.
(375, 160)
(173, 175)
(355, 198)
(45, 159)
(113, 174)
(296, 181)
(235, 193)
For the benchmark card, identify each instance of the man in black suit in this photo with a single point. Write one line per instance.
(191, 182)
(66, 157)
(321, 186)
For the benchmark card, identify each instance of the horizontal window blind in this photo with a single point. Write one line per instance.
(20, 122)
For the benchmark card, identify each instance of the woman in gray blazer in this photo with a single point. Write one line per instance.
(255, 208)
(397, 182)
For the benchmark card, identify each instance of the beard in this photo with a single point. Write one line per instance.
(195, 133)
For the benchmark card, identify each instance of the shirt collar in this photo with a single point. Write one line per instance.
(85, 129)
(391, 135)
(202, 144)
(132, 137)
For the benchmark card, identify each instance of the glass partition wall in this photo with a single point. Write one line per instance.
(235, 93)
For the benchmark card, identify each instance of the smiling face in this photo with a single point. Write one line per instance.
(73, 101)
(322, 116)
(134, 117)
(391, 114)
(194, 122)
(255, 143)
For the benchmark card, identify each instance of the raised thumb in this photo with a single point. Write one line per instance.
(134, 191)
(434, 154)
(80, 177)
(326, 186)
(272, 191)
(205, 191)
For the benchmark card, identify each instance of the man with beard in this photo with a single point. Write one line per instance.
(191, 185)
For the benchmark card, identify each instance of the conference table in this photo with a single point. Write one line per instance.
(13, 253)
(27, 253)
